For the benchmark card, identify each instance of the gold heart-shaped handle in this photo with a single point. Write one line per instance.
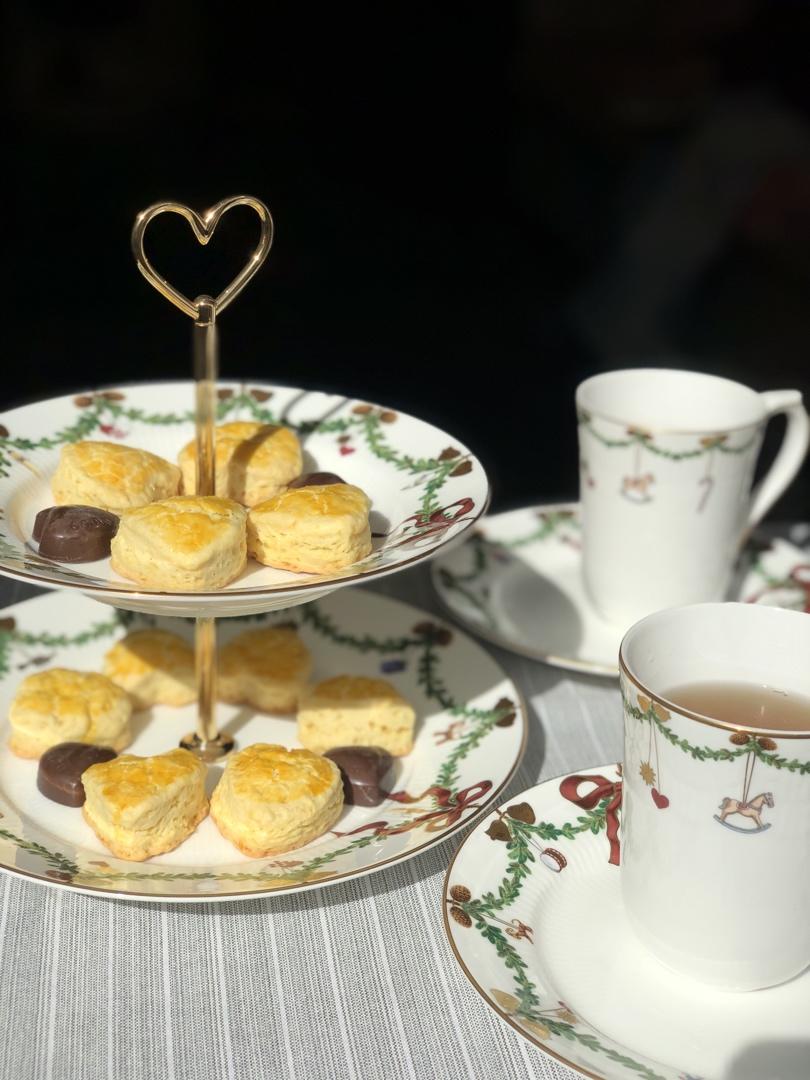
(203, 226)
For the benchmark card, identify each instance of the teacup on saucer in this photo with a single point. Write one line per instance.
(517, 582)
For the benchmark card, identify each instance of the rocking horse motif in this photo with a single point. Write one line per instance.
(750, 809)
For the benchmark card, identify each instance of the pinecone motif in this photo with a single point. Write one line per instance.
(710, 441)
(4, 432)
(508, 706)
(462, 468)
(765, 743)
(663, 714)
(461, 917)
(82, 401)
(739, 738)
(449, 453)
(112, 395)
(521, 812)
(498, 831)
(643, 703)
(8, 624)
(261, 395)
(361, 410)
(536, 1028)
(388, 416)
(508, 1002)
(461, 893)
(224, 393)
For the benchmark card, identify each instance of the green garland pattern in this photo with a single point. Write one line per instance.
(709, 753)
(433, 472)
(424, 638)
(519, 868)
(645, 440)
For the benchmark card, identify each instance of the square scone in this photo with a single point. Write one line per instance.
(184, 544)
(252, 461)
(271, 799)
(155, 667)
(60, 705)
(352, 710)
(112, 476)
(144, 806)
(266, 668)
(314, 530)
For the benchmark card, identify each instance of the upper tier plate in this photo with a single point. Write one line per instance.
(426, 488)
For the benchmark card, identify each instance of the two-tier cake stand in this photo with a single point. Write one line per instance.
(426, 490)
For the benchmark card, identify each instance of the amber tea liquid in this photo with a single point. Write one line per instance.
(745, 705)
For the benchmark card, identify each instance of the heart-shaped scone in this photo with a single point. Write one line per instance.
(203, 226)
(185, 544)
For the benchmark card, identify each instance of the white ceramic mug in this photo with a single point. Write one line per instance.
(715, 826)
(667, 460)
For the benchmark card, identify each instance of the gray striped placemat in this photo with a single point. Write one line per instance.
(353, 981)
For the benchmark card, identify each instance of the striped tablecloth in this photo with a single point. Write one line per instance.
(352, 981)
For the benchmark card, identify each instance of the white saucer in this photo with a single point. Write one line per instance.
(517, 582)
(533, 913)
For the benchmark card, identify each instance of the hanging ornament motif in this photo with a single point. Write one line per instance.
(748, 808)
(652, 776)
(636, 487)
(709, 444)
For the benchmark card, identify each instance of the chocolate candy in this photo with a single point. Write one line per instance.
(60, 770)
(362, 768)
(311, 478)
(75, 533)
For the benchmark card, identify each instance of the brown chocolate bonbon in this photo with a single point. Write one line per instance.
(75, 533)
(313, 478)
(362, 769)
(59, 776)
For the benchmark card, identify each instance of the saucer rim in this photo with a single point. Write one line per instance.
(448, 933)
(566, 663)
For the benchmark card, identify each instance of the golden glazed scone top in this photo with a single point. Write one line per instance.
(142, 651)
(275, 652)
(252, 461)
(322, 500)
(187, 523)
(64, 694)
(129, 781)
(265, 771)
(351, 688)
(130, 476)
(248, 443)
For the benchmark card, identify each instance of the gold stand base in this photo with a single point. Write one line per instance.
(211, 750)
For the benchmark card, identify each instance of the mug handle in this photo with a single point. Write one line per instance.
(791, 454)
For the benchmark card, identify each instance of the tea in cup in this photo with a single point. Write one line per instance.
(715, 851)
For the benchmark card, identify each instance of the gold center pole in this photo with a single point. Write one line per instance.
(206, 742)
(206, 371)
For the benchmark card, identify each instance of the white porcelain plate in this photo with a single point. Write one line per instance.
(533, 913)
(517, 582)
(425, 487)
(470, 738)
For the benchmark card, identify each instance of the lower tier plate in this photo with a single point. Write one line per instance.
(470, 738)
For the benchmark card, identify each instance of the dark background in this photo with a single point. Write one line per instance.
(475, 207)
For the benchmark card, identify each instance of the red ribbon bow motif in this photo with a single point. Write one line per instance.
(569, 789)
(450, 808)
(427, 525)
